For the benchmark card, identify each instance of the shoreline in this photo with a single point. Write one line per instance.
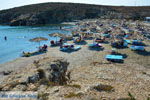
(26, 33)
(88, 69)
(30, 59)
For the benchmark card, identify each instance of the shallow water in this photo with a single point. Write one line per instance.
(18, 39)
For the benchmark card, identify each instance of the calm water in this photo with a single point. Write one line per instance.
(18, 39)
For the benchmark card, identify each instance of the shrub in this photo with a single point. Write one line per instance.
(75, 86)
(72, 94)
(102, 87)
(43, 96)
(41, 73)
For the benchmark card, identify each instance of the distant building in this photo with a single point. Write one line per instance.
(147, 19)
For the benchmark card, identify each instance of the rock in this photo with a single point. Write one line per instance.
(42, 88)
(20, 88)
(57, 72)
(33, 79)
(10, 86)
(80, 92)
(32, 87)
(7, 72)
(41, 73)
(101, 87)
(105, 76)
(56, 90)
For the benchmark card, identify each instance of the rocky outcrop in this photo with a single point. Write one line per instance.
(54, 73)
(58, 71)
(54, 13)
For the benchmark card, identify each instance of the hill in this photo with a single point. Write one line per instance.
(53, 13)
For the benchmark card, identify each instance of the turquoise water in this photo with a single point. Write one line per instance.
(18, 39)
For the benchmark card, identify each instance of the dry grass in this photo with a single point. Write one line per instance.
(45, 81)
(101, 87)
(72, 94)
(43, 96)
(124, 99)
(74, 86)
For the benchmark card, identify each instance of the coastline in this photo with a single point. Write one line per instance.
(88, 69)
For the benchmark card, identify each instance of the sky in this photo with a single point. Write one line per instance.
(5, 4)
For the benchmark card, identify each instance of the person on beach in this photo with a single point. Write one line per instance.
(60, 27)
(5, 38)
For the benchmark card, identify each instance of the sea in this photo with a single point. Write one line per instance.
(18, 39)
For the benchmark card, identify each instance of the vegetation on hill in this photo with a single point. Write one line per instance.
(53, 13)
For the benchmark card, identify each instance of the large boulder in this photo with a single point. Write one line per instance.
(57, 72)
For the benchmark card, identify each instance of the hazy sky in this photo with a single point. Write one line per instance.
(5, 4)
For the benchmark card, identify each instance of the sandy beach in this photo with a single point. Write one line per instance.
(88, 68)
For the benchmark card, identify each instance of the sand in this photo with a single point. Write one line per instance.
(89, 67)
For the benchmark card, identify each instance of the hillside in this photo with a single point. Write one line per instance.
(53, 13)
